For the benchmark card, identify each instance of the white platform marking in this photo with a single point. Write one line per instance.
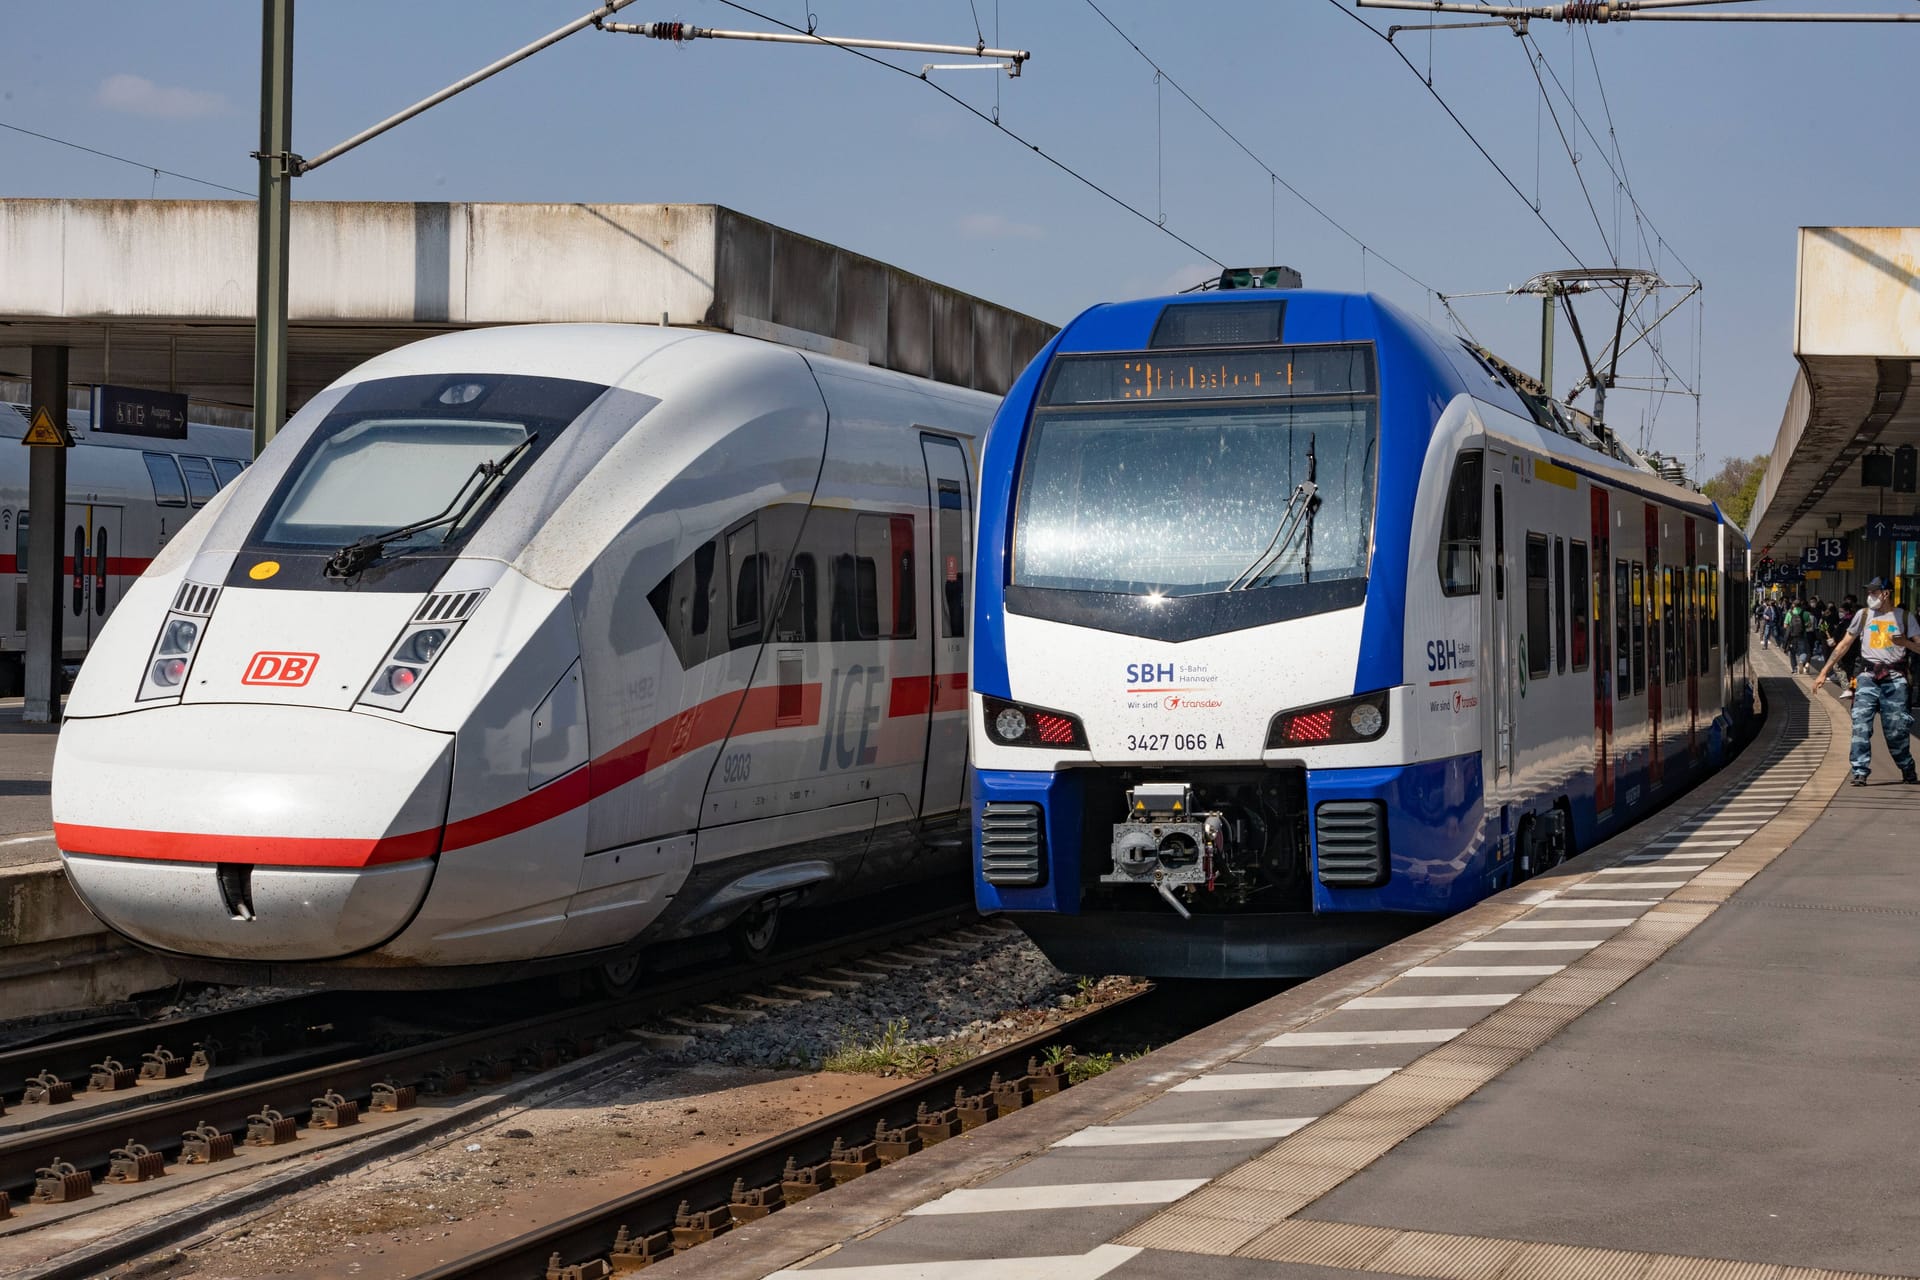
(1615, 888)
(1234, 1081)
(1488, 1000)
(1329, 1039)
(1482, 970)
(1558, 904)
(1619, 922)
(1075, 1195)
(1081, 1266)
(1713, 843)
(1143, 1135)
(1695, 855)
(1676, 863)
(1571, 944)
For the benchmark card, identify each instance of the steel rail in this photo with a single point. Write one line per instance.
(590, 1234)
(88, 1144)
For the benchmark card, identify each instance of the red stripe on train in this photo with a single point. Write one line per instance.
(117, 566)
(280, 851)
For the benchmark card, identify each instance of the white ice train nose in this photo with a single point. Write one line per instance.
(258, 832)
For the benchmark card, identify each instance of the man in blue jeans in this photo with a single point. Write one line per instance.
(1886, 636)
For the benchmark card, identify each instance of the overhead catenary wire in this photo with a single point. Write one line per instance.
(1273, 175)
(138, 164)
(993, 121)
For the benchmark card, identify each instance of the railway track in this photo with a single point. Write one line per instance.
(683, 1212)
(63, 1168)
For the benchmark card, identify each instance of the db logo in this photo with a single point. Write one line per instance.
(288, 670)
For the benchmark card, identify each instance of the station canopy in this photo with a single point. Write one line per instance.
(160, 293)
(1856, 335)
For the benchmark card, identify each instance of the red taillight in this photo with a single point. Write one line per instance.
(402, 678)
(1310, 726)
(1055, 731)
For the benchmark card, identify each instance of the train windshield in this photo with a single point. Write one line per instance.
(396, 453)
(1188, 473)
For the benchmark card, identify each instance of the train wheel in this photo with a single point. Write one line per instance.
(618, 977)
(752, 936)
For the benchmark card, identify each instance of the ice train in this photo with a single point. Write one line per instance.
(1299, 623)
(522, 647)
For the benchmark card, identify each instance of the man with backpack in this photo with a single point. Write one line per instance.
(1886, 635)
(1795, 628)
(1769, 623)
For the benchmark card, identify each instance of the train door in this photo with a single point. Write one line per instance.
(950, 500)
(1498, 667)
(1655, 652)
(93, 588)
(1602, 553)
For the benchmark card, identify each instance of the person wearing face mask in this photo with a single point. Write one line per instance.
(1886, 636)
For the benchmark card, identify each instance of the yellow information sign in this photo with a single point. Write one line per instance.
(44, 433)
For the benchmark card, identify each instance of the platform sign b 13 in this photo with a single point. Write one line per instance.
(136, 411)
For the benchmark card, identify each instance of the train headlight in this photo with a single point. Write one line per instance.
(178, 637)
(420, 645)
(1017, 725)
(1360, 719)
(180, 632)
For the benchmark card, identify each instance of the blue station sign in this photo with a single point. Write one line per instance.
(1894, 528)
(136, 411)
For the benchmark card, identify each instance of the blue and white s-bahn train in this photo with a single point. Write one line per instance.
(1299, 623)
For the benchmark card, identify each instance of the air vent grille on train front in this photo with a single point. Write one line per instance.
(1012, 844)
(449, 606)
(196, 599)
(1352, 838)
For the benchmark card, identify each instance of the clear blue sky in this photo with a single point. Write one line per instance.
(1732, 136)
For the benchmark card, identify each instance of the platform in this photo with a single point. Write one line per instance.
(1688, 1054)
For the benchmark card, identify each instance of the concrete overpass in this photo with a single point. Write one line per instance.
(1857, 339)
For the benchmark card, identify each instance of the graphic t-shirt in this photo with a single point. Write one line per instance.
(1875, 632)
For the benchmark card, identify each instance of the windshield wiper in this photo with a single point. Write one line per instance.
(1296, 519)
(363, 551)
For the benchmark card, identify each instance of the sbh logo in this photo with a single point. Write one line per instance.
(285, 670)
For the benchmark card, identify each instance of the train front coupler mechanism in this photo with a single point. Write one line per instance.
(1164, 843)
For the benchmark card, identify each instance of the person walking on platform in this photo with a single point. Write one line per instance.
(1769, 619)
(1886, 635)
(1795, 628)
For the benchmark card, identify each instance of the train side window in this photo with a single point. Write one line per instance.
(954, 557)
(1622, 632)
(1713, 605)
(1560, 605)
(168, 488)
(744, 573)
(20, 544)
(201, 484)
(1539, 623)
(799, 619)
(1639, 627)
(852, 601)
(1499, 545)
(1460, 528)
(1581, 599)
(227, 470)
(703, 558)
(887, 583)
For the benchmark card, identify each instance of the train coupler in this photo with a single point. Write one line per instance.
(750, 1204)
(135, 1163)
(268, 1128)
(691, 1226)
(162, 1064)
(110, 1077)
(894, 1144)
(802, 1182)
(331, 1111)
(204, 1144)
(61, 1182)
(47, 1088)
(392, 1097)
